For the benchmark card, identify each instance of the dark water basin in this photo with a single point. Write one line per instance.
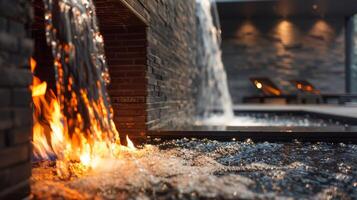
(269, 126)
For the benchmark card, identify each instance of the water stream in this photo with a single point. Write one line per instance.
(76, 123)
(213, 93)
(81, 70)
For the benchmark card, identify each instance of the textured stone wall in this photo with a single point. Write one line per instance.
(353, 67)
(15, 102)
(311, 49)
(170, 60)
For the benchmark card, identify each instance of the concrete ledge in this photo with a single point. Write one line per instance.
(345, 134)
(262, 134)
(334, 111)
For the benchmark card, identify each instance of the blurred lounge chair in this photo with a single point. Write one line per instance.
(266, 86)
(306, 87)
(270, 93)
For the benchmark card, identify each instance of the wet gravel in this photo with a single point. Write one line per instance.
(297, 170)
(206, 169)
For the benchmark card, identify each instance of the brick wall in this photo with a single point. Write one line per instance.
(299, 48)
(126, 56)
(126, 51)
(15, 102)
(150, 50)
(171, 60)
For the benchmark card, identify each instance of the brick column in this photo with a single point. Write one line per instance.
(125, 39)
(126, 56)
(15, 98)
(150, 48)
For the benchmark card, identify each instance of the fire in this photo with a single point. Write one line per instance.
(33, 64)
(52, 138)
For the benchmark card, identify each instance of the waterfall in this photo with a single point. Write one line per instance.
(75, 122)
(213, 94)
(80, 65)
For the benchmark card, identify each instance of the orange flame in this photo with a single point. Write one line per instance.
(51, 138)
(39, 90)
(32, 64)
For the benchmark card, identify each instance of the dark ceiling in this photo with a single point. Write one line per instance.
(286, 8)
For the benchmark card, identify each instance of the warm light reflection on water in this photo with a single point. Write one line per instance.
(266, 119)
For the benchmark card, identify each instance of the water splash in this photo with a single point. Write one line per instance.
(213, 93)
(269, 119)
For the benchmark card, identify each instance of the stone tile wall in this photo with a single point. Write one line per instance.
(299, 48)
(170, 60)
(353, 67)
(15, 103)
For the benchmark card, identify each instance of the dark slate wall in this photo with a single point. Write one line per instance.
(302, 48)
(353, 59)
(15, 104)
(170, 60)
